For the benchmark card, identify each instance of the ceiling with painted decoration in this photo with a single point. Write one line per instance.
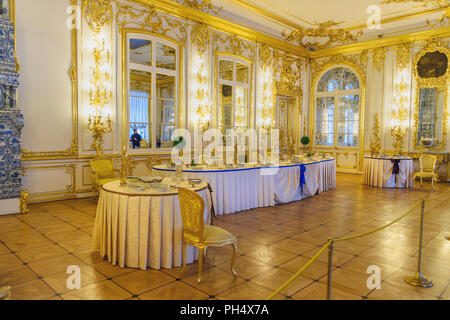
(328, 23)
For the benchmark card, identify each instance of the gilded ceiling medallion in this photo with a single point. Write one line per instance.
(97, 13)
(204, 5)
(325, 31)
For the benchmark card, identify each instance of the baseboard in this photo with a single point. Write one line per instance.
(9, 206)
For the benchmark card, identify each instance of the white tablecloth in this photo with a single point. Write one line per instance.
(378, 173)
(243, 189)
(141, 229)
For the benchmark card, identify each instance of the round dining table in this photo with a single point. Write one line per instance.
(140, 226)
(389, 172)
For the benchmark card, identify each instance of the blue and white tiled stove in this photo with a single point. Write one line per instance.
(11, 121)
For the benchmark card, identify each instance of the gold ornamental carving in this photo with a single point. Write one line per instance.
(200, 36)
(375, 143)
(403, 52)
(378, 58)
(325, 30)
(444, 4)
(149, 18)
(265, 55)
(98, 13)
(357, 61)
(24, 199)
(290, 68)
(202, 5)
(233, 43)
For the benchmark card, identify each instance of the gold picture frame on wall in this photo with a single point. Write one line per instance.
(431, 73)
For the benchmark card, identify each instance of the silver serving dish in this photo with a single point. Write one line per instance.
(194, 182)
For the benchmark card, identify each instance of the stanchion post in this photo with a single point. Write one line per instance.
(330, 267)
(418, 279)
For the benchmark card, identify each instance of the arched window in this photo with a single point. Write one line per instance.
(233, 87)
(337, 106)
(153, 72)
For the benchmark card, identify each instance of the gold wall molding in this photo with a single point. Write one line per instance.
(442, 4)
(200, 37)
(202, 5)
(180, 11)
(402, 96)
(232, 43)
(289, 70)
(68, 193)
(403, 54)
(412, 37)
(326, 30)
(149, 18)
(375, 142)
(357, 61)
(378, 58)
(72, 151)
(432, 45)
(98, 13)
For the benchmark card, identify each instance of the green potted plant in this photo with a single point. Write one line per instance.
(305, 142)
(179, 143)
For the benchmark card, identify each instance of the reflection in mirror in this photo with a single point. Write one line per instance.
(226, 70)
(165, 57)
(241, 73)
(432, 65)
(141, 51)
(165, 110)
(431, 110)
(140, 106)
(241, 103)
(225, 107)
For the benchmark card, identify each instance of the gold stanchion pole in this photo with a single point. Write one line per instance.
(330, 267)
(418, 279)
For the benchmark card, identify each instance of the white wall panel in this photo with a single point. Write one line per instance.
(44, 52)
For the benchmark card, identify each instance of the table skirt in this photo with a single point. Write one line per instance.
(378, 173)
(245, 189)
(142, 231)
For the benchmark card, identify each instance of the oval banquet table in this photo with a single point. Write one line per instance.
(252, 186)
(142, 228)
(388, 172)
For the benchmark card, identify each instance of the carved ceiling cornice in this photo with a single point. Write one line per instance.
(326, 30)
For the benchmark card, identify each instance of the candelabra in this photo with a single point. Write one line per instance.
(100, 95)
(99, 127)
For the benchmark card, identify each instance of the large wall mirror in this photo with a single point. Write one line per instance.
(431, 71)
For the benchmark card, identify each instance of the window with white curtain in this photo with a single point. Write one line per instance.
(337, 103)
(153, 89)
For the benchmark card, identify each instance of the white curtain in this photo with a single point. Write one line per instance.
(139, 117)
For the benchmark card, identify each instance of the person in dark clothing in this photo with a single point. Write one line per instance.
(136, 139)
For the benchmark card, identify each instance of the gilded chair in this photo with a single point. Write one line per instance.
(427, 169)
(197, 234)
(5, 293)
(102, 172)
